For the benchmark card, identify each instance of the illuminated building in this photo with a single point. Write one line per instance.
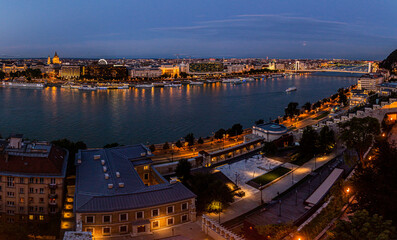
(145, 72)
(32, 178)
(55, 59)
(369, 81)
(170, 70)
(14, 68)
(103, 71)
(119, 193)
(49, 60)
(70, 72)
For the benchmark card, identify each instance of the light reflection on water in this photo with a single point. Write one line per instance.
(153, 115)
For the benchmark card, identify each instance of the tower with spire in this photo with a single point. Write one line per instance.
(55, 59)
(49, 60)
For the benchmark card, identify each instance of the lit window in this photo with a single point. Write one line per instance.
(106, 230)
(41, 217)
(155, 224)
(146, 168)
(31, 217)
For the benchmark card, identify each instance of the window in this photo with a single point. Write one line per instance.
(139, 215)
(184, 218)
(31, 209)
(0, 189)
(31, 180)
(21, 191)
(52, 191)
(170, 209)
(123, 229)
(21, 180)
(41, 217)
(184, 206)
(41, 200)
(106, 230)
(41, 209)
(146, 176)
(89, 219)
(53, 181)
(31, 190)
(155, 224)
(107, 219)
(10, 203)
(10, 194)
(170, 221)
(21, 200)
(155, 212)
(41, 190)
(41, 180)
(21, 209)
(31, 217)
(31, 200)
(10, 182)
(52, 209)
(10, 212)
(10, 220)
(123, 217)
(145, 167)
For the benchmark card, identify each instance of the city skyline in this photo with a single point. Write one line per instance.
(168, 29)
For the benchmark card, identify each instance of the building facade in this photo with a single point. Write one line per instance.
(369, 82)
(145, 72)
(269, 131)
(32, 178)
(70, 72)
(119, 193)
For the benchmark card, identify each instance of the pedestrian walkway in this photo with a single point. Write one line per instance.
(248, 203)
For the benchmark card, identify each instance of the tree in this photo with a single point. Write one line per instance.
(73, 148)
(326, 139)
(152, 148)
(359, 134)
(291, 109)
(375, 183)
(260, 121)
(2, 75)
(111, 145)
(307, 106)
(342, 97)
(275, 231)
(189, 138)
(236, 129)
(309, 142)
(200, 141)
(178, 144)
(269, 148)
(183, 170)
(166, 146)
(208, 189)
(183, 75)
(362, 226)
(219, 134)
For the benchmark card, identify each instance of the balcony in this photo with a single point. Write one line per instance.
(52, 203)
(53, 195)
(52, 185)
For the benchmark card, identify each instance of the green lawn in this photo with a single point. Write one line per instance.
(270, 176)
(322, 115)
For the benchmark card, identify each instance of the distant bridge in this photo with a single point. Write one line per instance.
(330, 70)
(359, 68)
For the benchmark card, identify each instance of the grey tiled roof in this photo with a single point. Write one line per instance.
(92, 192)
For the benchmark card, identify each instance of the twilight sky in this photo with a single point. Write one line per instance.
(350, 29)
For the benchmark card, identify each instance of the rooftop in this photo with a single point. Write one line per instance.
(106, 180)
(273, 127)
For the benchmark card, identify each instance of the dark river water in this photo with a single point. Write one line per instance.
(154, 115)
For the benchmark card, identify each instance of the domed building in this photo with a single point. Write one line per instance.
(55, 59)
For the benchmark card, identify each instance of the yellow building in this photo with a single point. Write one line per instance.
(55, 59)
(170, 70)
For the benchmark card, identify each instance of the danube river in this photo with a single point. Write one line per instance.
(154, 115)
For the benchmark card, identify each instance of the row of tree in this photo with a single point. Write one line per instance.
(235, 130)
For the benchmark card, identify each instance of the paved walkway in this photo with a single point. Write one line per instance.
(248, 203)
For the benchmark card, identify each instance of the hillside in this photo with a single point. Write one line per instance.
(390, 61)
